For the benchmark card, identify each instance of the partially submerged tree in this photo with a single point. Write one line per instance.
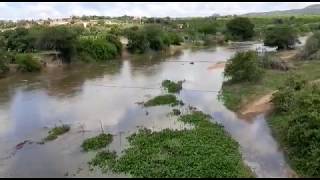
(281, 36)
(59, 38)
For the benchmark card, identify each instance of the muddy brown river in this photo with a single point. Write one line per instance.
(87, 96)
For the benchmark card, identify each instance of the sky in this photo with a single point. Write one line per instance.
(44, 10)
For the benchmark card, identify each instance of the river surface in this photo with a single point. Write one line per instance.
(91, 96)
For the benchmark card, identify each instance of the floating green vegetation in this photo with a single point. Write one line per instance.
(167, 99)
(171, 86)
(176, 112)
(104, 160)
(204, 151)
(56, 131)
(98, 142)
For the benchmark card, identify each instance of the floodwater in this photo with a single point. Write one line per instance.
(107, 95)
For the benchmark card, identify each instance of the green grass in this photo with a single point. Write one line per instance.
(171, 86)
(97, 142)
(236, 95)
(204, 151)
(57, 131)
(167, 99)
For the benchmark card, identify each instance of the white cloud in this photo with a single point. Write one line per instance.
(28, 10)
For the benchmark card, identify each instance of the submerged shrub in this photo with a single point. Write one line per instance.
(281, 36)
(57, 131)
(167, 99)
(27, 63)
(172, 87)
(98, 49)
(97, 142)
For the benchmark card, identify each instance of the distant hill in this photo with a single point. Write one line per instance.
(309, 10)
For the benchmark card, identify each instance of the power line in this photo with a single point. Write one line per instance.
(150, 88)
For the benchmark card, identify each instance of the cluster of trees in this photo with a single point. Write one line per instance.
(150, 37)
(297, 106)
(19, 45)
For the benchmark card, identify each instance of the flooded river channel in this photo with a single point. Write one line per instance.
(87, 96)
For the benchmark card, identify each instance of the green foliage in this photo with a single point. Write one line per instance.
(4, 61)
(4, 68)
(98, 49)
(175, 38)
(312, 47)
(244, 66)
(27, 63)
(104, 160)
(167, 99)
(157, 37)
(283, 100)
(271, 61)
(298, 122)
(57, 131)
(204, 151)
(137, 41)
(59, 38)
(115, 41)
(98, 142)
(240, 28)
(171, 86)
(207, 28)
(151, 37)
(16, 39)
(281, 36)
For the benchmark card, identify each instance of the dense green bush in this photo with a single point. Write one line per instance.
(27, 63)
(113, 39)
(312, 47)
(151, 37)
(99, 49)
(59, 38)
(244, 66)
(157, 38)
(240, 28)
(137, 41)
(281, 36)
(283, 100)
(175, 38)
(4, 68)
(297, 106)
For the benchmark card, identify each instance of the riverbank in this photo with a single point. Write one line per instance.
(237, 96)
(252, 99)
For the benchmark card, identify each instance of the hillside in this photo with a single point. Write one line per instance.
(309, 10)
